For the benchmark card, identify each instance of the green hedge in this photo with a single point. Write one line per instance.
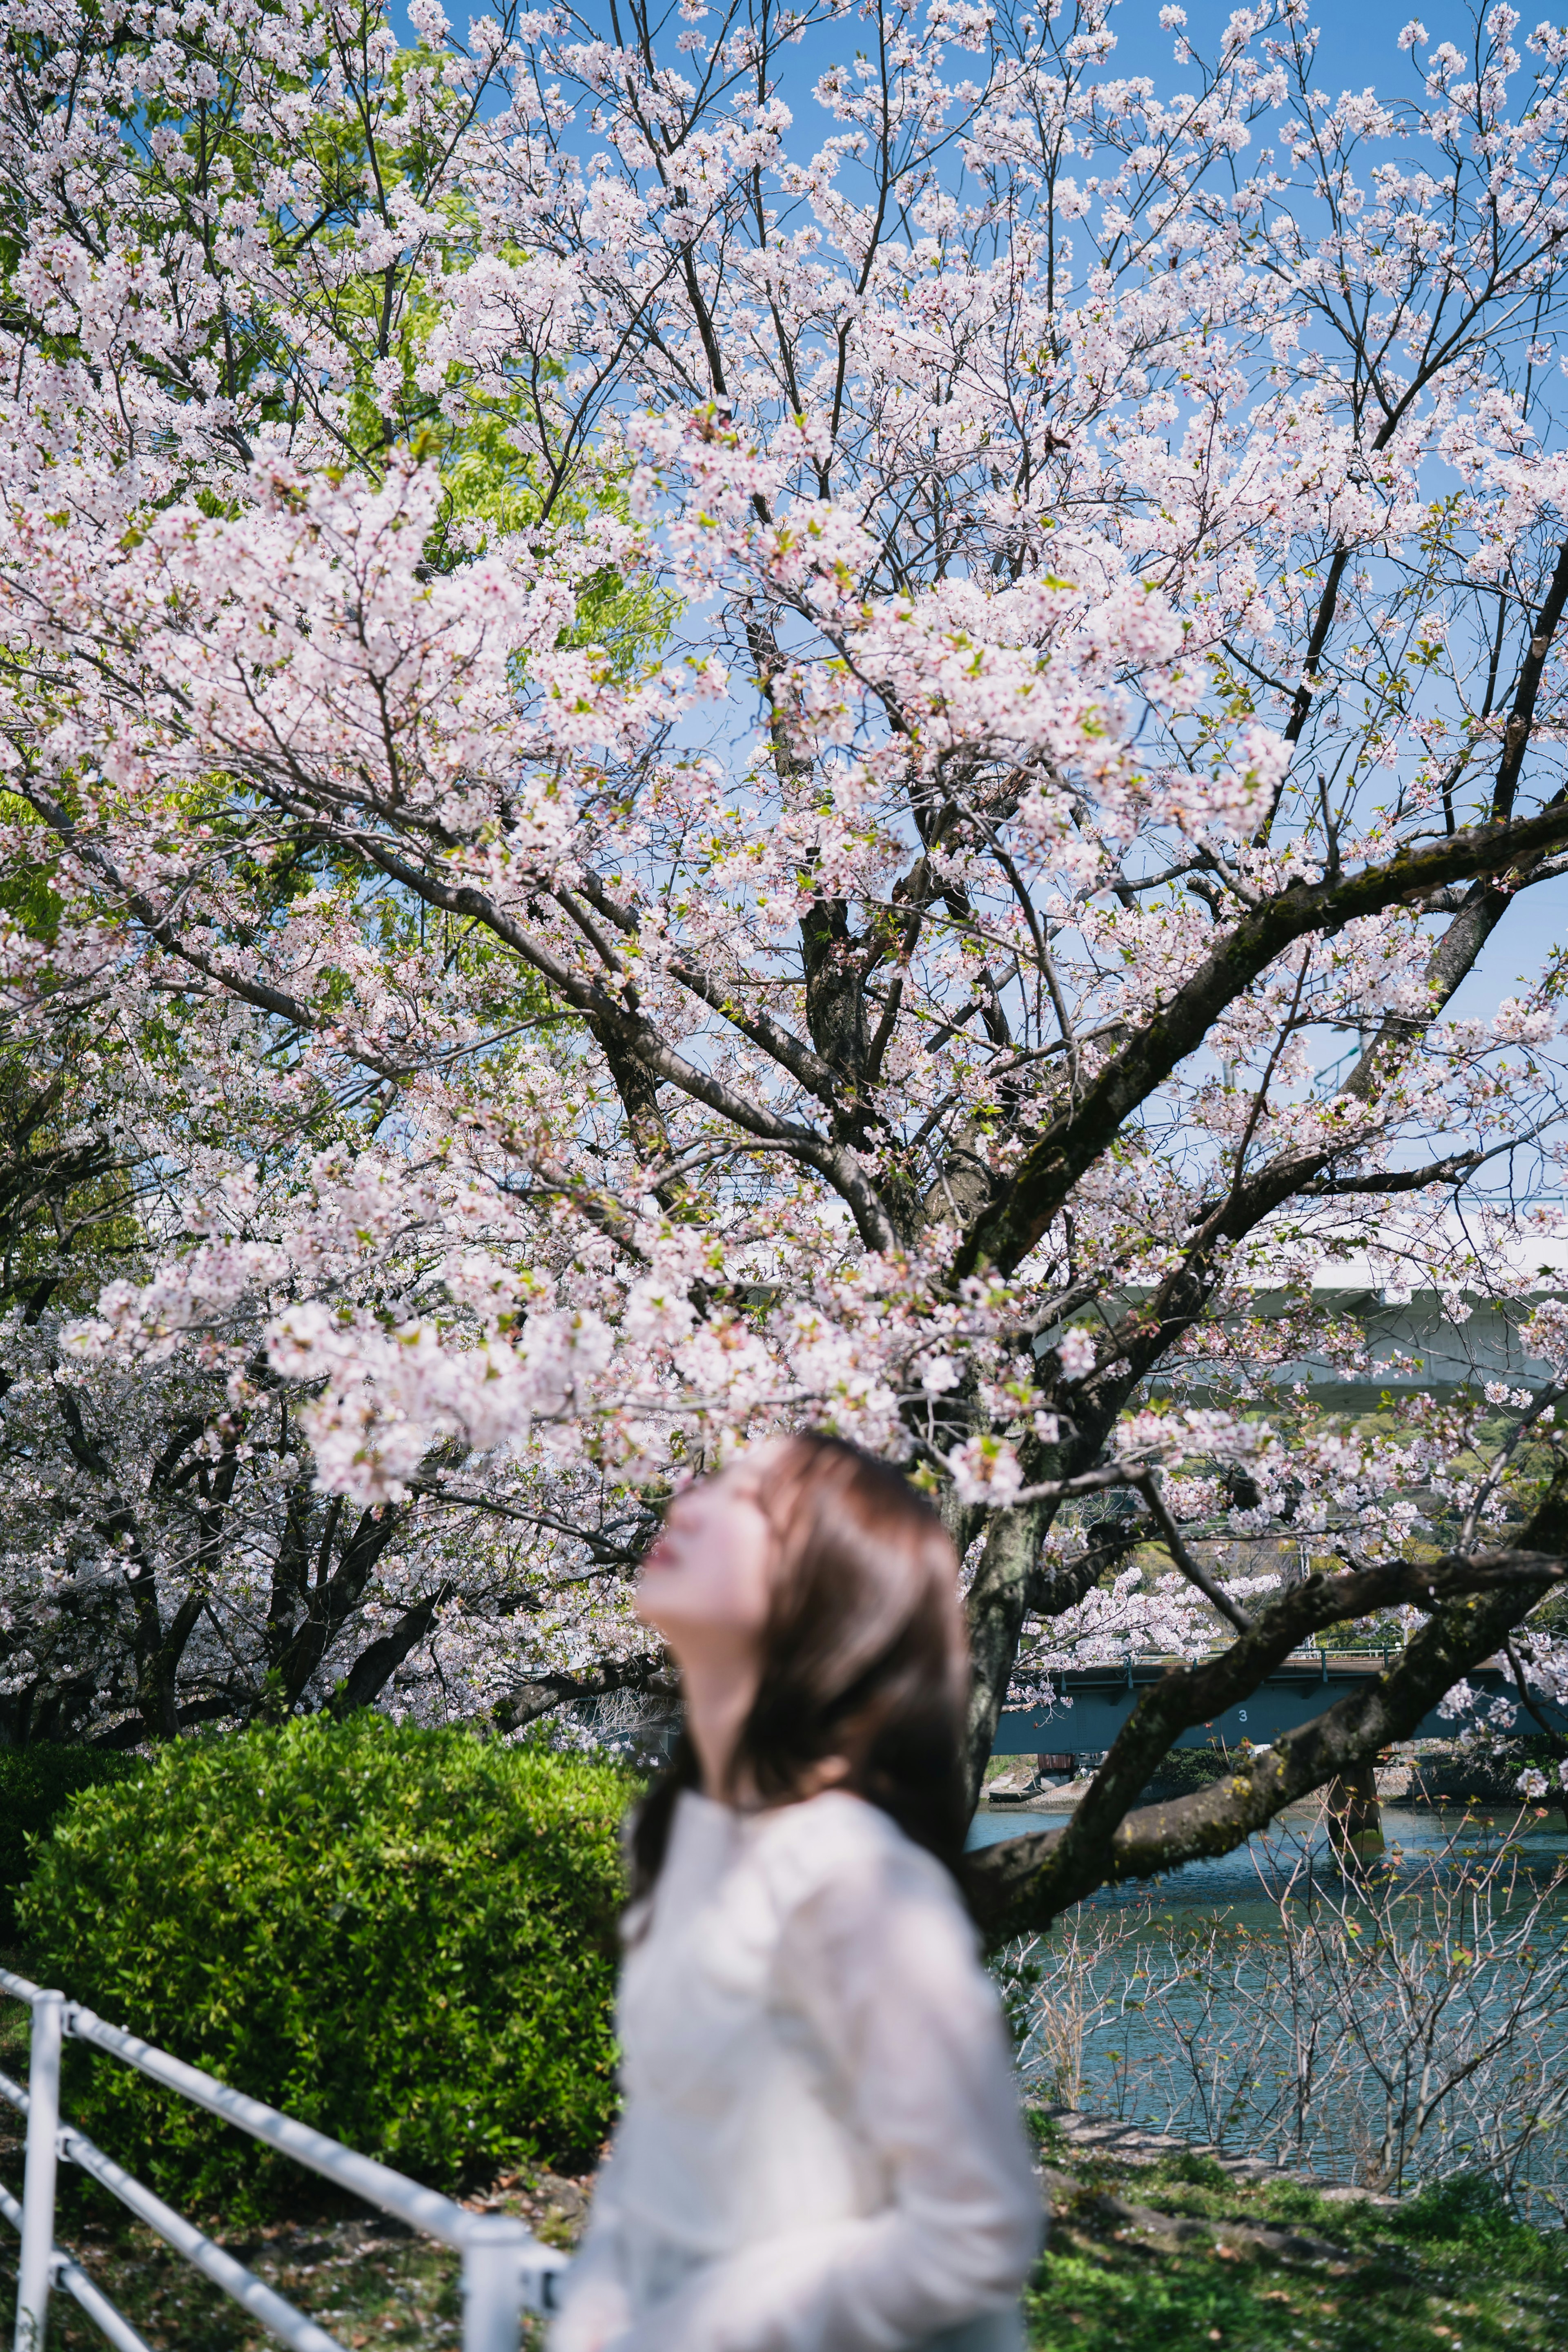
(405, 1938)
(36, 1784)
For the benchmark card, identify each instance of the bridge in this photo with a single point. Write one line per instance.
(1300, 1688)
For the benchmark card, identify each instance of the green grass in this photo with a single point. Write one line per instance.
(362, 2288)
(1448, 2270)
(1265, 2266)
(366, 2280)
(1272, 2267)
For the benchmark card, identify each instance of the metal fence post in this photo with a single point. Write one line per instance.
(493, 2252)
(38, 2179)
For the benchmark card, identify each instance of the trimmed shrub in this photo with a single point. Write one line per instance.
(405, 1938)
(36, 1784)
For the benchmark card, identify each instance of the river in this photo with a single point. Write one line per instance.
(1426, 2012)
(1413, 1834)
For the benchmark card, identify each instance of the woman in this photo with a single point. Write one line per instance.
(821, 2148)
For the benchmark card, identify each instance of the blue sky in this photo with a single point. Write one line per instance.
(1358, 46)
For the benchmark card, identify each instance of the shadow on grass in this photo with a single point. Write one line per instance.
(1178, 2255)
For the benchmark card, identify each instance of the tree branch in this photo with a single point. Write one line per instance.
(1478, 1602)
(1004, 1234)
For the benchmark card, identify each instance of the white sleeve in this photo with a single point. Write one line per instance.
(880, 1963)
(595, 2308)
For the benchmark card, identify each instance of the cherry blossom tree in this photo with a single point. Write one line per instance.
(760, 718)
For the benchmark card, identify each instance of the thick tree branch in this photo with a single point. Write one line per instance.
(652, 1674)
(1006, 1233)
(376, 1665)
(1474, 1602)
(636, 1036)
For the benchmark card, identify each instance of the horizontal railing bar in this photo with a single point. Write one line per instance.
(252, 2294)
(1293, 1668)
(378, 2184)
(71, 2274)
(424, 2209)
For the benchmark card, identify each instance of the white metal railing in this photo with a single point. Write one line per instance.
(506, 2270)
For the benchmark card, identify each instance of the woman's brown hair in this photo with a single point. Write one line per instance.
(863, 1656)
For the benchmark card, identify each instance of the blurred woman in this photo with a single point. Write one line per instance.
(821, 2148)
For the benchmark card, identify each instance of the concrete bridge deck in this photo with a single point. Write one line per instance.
(1301, 1687)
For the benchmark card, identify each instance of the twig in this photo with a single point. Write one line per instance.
(1190, 1568)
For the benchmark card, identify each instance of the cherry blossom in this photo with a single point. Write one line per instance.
(699, 739)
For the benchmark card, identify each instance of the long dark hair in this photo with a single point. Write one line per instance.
(863, 1656)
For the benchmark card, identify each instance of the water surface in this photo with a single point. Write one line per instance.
(1181, 2002)
(1239, 1882)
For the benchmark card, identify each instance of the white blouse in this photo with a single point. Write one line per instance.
(821, 2148)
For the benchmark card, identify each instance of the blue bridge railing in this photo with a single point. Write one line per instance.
(1302, 1686)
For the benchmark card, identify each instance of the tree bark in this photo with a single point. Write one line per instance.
(1028, 1882)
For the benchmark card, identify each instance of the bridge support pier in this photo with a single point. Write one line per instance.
(1356, 1816)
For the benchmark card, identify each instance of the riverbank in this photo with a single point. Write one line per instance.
(1443, 1775)
(1062, 1798)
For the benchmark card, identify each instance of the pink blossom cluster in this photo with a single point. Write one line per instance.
(644, 679)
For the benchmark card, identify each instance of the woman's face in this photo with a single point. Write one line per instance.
(706, 1584)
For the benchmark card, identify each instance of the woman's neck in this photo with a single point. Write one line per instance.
(718, 1693)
